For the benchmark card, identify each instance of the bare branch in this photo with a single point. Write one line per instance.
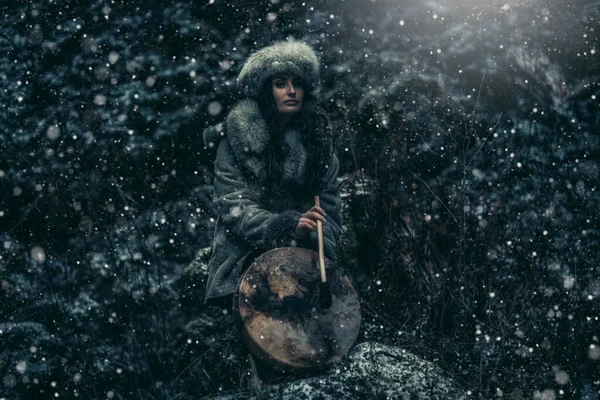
(484, 140)
(436, 196)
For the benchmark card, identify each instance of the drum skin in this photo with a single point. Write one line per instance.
(277, 305)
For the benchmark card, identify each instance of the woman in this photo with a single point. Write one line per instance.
(274, 154)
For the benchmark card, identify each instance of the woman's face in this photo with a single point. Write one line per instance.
(288, 94)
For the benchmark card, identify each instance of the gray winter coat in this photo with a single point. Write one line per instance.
(249, 219)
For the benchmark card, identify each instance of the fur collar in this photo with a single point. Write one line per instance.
(248, 136)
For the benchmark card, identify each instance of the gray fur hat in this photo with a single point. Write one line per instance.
(282, 57)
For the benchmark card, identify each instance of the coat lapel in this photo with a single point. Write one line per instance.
(247, 134)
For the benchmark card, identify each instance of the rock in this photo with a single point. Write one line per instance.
(370, 371)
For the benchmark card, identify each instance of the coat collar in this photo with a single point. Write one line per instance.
(248, 135)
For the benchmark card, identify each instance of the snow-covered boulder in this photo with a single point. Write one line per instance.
(370, 371)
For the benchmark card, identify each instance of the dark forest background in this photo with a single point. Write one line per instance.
(469, 147)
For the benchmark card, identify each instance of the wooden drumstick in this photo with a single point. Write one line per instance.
(325, 299)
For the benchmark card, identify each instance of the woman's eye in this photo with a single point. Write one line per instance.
(299, 83)
(280, 84)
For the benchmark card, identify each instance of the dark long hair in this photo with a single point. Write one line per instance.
(316, 135)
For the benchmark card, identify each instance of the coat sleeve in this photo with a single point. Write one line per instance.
(240, 207)
(330, 203)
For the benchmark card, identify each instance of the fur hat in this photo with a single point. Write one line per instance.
(282, 57)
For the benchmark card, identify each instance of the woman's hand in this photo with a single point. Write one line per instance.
(308, 221)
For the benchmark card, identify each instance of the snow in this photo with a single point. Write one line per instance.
(466, 140)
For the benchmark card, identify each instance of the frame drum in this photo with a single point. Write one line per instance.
(277, 305)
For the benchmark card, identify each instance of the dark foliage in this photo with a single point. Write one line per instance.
(468, 134)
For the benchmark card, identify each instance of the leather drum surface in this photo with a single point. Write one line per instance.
(278, 306)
